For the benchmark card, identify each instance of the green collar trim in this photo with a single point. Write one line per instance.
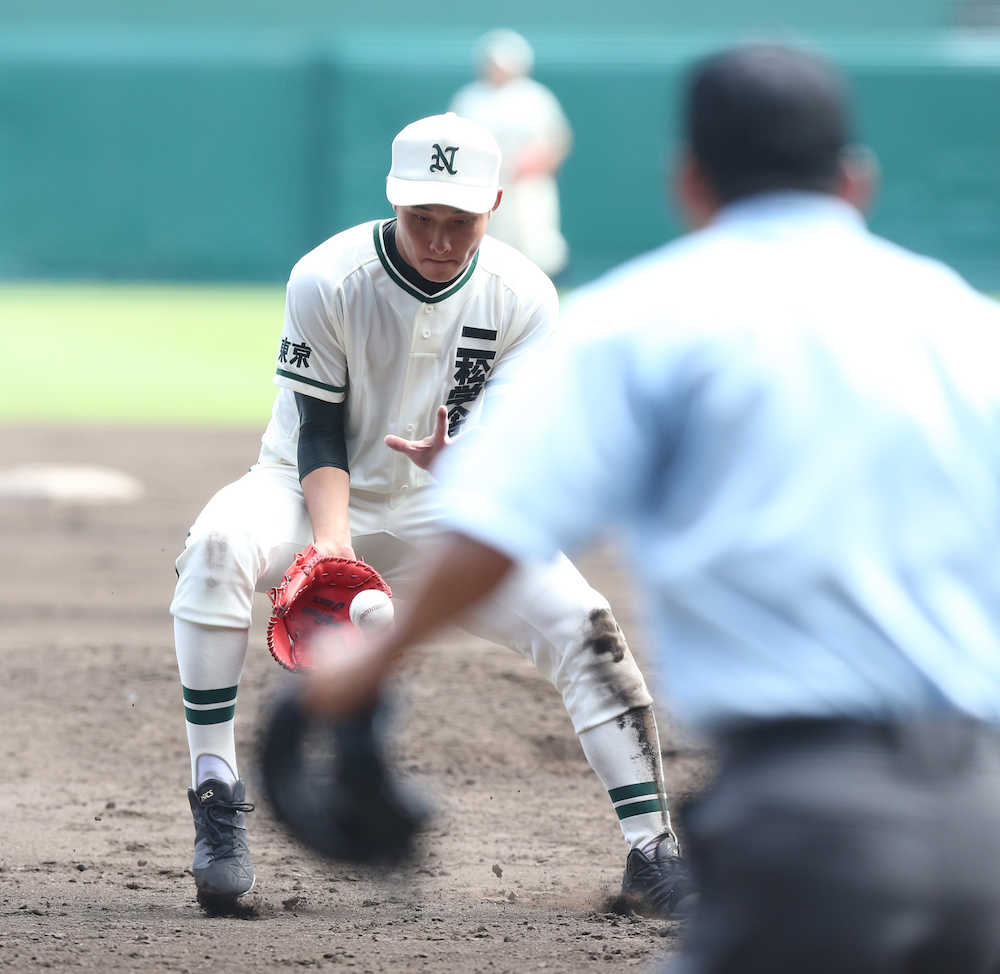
(406, 285)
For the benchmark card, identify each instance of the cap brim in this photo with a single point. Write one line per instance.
(430, 192)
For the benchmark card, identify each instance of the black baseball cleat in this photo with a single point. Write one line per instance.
(222, 867)
(658, 884)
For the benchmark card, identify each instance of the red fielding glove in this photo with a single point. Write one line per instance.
(313, 601)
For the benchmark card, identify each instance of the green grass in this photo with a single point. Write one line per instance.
(139, 354)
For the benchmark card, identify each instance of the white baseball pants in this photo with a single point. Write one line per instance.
(249, 532)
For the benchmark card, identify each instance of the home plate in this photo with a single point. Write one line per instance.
(68, 482)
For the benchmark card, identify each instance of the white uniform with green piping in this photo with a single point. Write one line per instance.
(356, 331)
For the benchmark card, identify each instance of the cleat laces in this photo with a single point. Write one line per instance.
(220, 823)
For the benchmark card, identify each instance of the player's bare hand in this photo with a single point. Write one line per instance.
(338, 549)
(424, 452)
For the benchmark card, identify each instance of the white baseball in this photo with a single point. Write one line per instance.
(371, 610)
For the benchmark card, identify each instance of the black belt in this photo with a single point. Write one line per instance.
(931, 735)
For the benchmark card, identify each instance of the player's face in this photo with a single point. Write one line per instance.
(438, 241)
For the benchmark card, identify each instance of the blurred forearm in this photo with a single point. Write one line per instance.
(460, 573)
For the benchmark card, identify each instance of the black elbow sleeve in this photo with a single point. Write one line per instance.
(322, 441)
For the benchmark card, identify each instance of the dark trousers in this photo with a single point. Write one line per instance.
(833, 846)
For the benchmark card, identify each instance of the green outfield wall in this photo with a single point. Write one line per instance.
(139, 153)
(597, 17)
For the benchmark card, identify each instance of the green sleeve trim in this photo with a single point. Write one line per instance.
(310, 382)
(218, 716)
(639, 808)
(225, 695)
(633, 791)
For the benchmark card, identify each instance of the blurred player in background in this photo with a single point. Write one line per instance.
(400, 334)
(796, 427)
(534, 138)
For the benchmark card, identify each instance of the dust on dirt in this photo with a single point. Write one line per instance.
(519, 865)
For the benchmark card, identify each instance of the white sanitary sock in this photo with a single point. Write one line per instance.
(212, 766)
(625, 755)
(210, 661)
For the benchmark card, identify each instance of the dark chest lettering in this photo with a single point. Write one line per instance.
(473, 362)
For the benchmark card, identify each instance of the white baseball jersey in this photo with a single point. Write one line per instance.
(520, 114)
(356, 331)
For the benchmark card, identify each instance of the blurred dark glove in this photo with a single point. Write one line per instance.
(351, 808)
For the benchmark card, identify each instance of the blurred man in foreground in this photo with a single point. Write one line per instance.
(796, 429)
(534, 137)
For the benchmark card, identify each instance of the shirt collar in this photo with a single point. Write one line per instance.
(786, 207)
(399, 278)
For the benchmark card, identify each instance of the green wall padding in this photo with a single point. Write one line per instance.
(225, 157)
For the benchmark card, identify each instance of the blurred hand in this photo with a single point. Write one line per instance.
(348, 671)
(537, 160)
(424, 452)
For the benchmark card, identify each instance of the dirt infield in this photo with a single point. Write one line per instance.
(515, 874)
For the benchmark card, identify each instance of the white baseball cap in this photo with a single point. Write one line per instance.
(445, 159)
(508, 49)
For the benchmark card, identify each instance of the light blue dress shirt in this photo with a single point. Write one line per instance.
(794, 426)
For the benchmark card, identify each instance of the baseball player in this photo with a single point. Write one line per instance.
(399, 336)
(534, 137)
(800, 446)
